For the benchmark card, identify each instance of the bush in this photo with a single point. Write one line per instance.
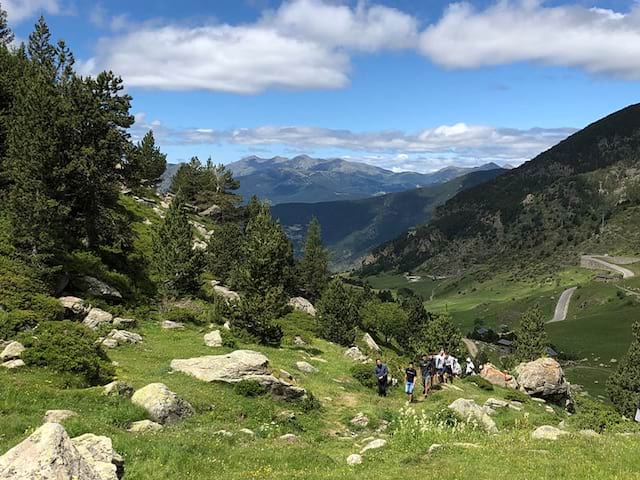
(255, 316)
(363, 373)
(68, 347)
(516, 396)
(228, 340)
(446, 417)
(310, 403)
(479, 382)
(182, 315)
(12, 323)
(250, 388)
(594, 415)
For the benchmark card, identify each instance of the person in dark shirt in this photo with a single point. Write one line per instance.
(381, 372)
(427, 370)
(411, 375)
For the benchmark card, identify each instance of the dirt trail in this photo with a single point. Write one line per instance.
(562, 307)
(471, 346)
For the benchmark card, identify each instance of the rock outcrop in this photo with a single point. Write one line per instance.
(163, 405)
(235, 367)
(470, 411)
(98, 288)
(494, 375)
(170, 325)
(370, 343)
(301, 304)
(543, 378)
(49, 454)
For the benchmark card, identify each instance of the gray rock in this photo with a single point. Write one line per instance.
(229, 295)
(299, 341)
(58, 416)
(354, 459)
(144, 426)
(371, 343)
(12, 351)
(124, 323)
(469, 411)
(223, 433)
(74, 306)
(119, 389)
(169, 325)
(547, 432)
(99, 453)
(301, 304)
(97, 317)
(495, 403)
(248, 432)
(163, 405)
(13, 364)
(124, 337)
(213, 339)
(108, 342)
(306, 367)
(289, 438)
(361, 420)
(543, 378)
(98, 288)
(374, 445)
(354, 353)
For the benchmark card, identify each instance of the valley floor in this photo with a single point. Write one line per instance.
(193, 450)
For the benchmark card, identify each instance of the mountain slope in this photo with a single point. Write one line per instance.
(351, 228)
(564, 201)
(306, 179)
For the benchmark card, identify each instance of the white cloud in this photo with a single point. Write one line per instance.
(305, 44)
(18, 10)
(598, 40)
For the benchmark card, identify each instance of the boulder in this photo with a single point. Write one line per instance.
(354, 353)
(99, 453)
(374, 444)
(301, 304)
(547, 432)
(144, 426)
(306, 367)
(58, 416)
(543, 378)
(470, 411)
(12, 351)
(354, 459)
(74, 306)
(98, 288)
(213, 339)
(169, 325)
(235, 367)
(108, 342)
(289, 438)
(495, 403)
(497, 377)
(124, 322)
(12, 364)
(123, 337)
(118, 389)
(97, 317)
(229, 295)
(360, 420)
(371, 343)
(49, 454)
(163, 406)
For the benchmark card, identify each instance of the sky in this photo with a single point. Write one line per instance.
(402, 84)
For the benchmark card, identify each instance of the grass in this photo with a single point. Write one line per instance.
(191, 450)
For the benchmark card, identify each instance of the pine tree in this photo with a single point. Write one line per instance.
(146, 163)
(256, 314)
(266, 258)
(417, 319)
(6, 35)
(224, 250)
(623, 386)
(176, 264)
(338, 313)
(313, 268)
(531, 337)
(40, 49)
(438, 334)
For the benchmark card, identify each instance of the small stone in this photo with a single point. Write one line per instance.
(495, 403)
(549, 409)
(12, 364)
(169, 325)
(289, 438)
(109, 343)
(247, 431)
(547, 432)
(144, 426)
(354, 459)
(213, 339)
(589, 433)
(223, 433)
(355, 354)
(306, 367)
(434, 447)
(12, 351)
(374, 444)
(539, 400)
(58, 416)
(299, 341)
(118, 388)
(360, 420)
(124, 322)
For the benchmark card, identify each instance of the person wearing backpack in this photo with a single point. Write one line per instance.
(381, 372)
(410, 381)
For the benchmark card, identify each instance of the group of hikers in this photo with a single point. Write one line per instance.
(441, 367)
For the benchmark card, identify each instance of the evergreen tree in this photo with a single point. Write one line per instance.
(255, 314)
(176, 264)
(146, 163)
(438, 334)
(266, 257)
(6, 35)
(623, 386)
(417, 319)
(313, 268)
(531, 337)
(338, 313)
(224, 250)
(40, 49)
(386, 319)
(252, 209)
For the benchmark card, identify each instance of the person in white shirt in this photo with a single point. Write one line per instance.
(455, 367)
(448, 367)
(439, 359)
(471, 368)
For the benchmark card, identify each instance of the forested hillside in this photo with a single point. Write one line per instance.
(567, 200)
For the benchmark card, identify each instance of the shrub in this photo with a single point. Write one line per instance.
(479, 382)
(255, 315)
(446, 417)
(68, 347)
(12, 323)
(310, 403)
(623, 386)
(363, 373)
(250, 388)
(228, 340)
(516, 396)
(594, 415)
(182, 315)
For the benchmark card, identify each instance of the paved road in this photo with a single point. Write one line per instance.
(562, 307)
(600, 262)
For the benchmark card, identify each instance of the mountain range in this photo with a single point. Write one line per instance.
(351, 228)
(580, 196)
(306, 179)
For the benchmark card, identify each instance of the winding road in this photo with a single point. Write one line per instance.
(598, 263)
(562, 307)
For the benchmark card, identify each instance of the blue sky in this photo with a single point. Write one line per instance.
(404, 84)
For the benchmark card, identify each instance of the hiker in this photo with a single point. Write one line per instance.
(456, 369)
(410, 381)
(427, 369)
(381, 371)
(439, 361)
(448, 367)
(471, 368)
(637, 419)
